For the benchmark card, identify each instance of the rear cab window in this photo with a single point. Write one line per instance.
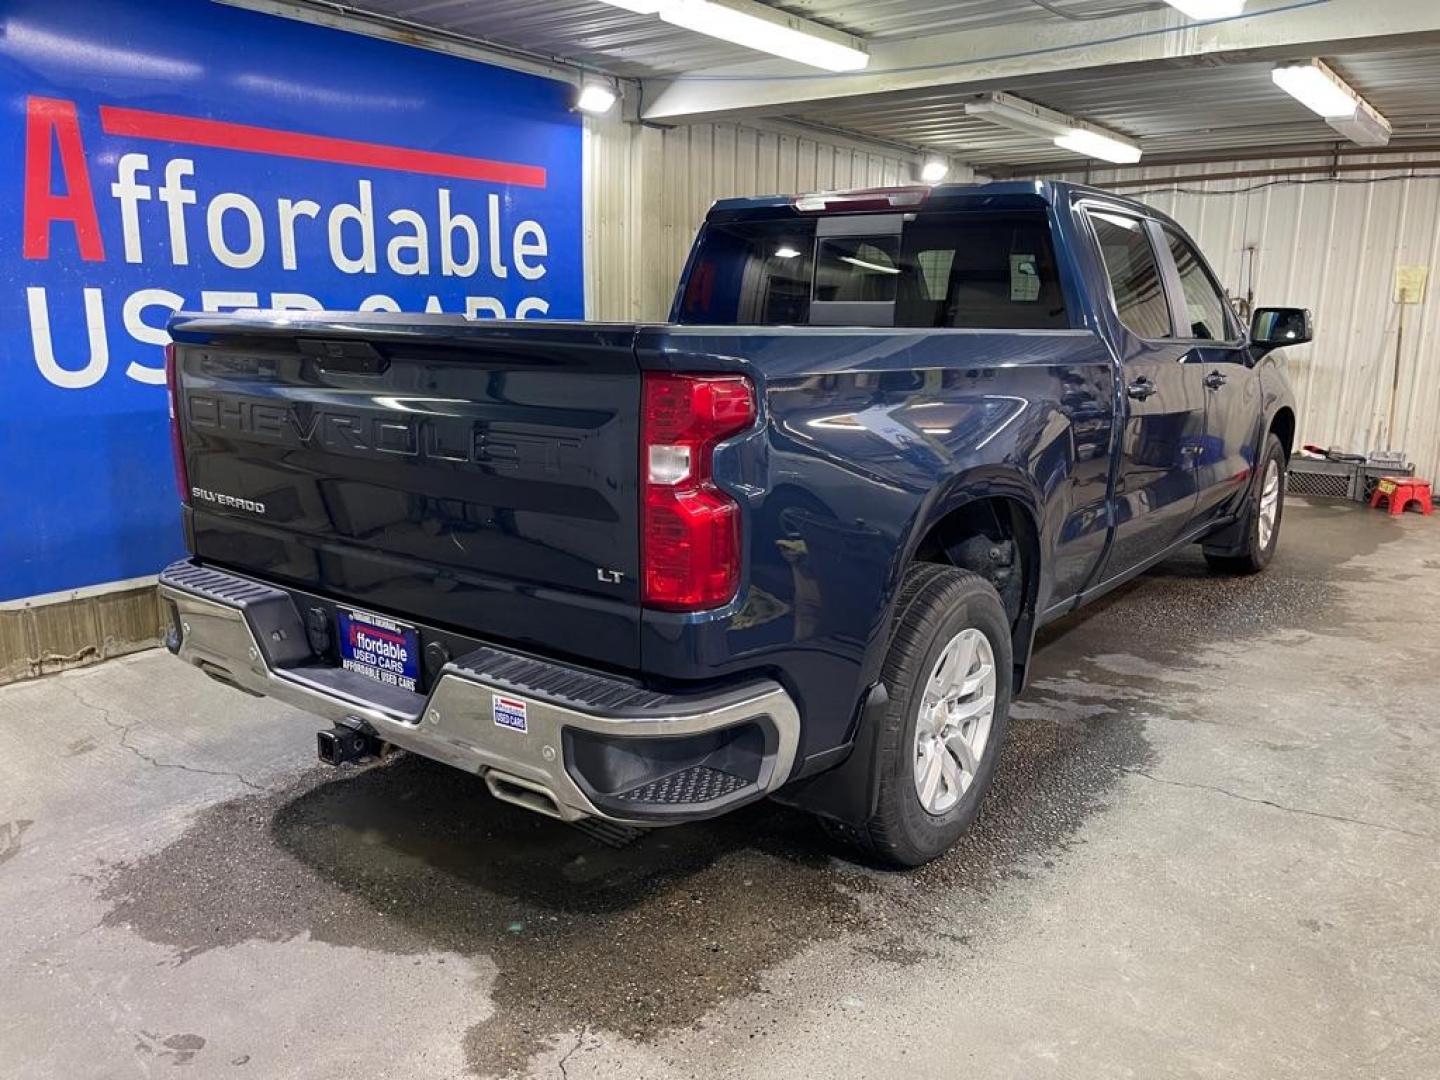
(751, 273)
(984, 270)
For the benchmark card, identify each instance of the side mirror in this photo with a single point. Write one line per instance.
(1276, 327)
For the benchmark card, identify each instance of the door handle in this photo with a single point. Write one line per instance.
(1141, 388)
(1215, 380)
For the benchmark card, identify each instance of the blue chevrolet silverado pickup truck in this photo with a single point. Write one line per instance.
(795, 542)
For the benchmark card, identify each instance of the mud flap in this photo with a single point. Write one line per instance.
(1231, 539)
(848, 790)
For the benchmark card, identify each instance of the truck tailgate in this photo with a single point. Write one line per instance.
(475, 476)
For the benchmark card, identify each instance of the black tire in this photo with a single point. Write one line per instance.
(936, 602)
(1253, 556)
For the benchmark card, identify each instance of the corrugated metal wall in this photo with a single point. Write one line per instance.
(647, 188)
(1332, 245)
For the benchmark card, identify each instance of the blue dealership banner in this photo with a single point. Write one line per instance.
(165, 155)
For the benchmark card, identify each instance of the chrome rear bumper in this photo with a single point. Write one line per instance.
(584, 732)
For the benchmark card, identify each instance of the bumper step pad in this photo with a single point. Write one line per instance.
(697, 784)
(219, 586)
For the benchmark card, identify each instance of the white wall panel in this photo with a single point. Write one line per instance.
(1332, 245)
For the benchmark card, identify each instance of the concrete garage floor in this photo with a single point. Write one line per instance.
(1212, 851)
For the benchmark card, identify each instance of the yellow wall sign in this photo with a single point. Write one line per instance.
(1410, 283)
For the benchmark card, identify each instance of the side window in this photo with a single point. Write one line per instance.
(934, 272)
(1204, 303)
(1134, 274)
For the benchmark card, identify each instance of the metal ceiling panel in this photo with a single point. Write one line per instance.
(1177, 110)
(622, 43)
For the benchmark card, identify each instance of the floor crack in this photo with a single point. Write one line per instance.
(123, 733)
(579, 1042)
(1280, 806)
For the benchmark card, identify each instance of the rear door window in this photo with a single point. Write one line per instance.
(976, 270)
(1134, 272)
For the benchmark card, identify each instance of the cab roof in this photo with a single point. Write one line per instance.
(997, 194)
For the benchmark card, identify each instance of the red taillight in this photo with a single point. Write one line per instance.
(177, 445)
(690, 529)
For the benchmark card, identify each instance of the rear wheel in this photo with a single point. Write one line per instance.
(948, 675)
(1264, 510)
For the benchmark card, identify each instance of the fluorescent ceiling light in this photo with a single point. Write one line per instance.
(595, 98)
(1089, 143)
(1017, 114)
(1366, 128)
(1065, 131)
(1324, 93)
(786, 252)
(756, 26)
(1317, 88)
(934, 170)
(1208, 9)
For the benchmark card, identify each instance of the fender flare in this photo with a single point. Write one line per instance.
(991, 481)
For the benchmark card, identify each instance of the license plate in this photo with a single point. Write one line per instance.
(379, 648)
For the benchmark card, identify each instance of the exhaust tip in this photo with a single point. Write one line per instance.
(526, 793)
